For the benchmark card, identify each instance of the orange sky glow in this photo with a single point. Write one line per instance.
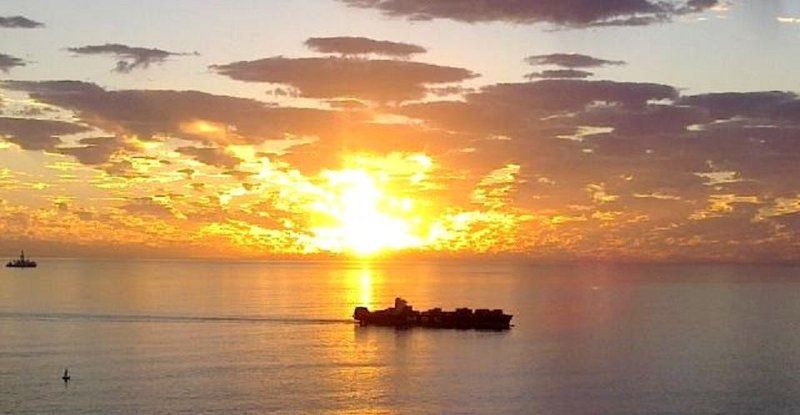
(378, 139)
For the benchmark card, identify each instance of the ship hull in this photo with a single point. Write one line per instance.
(19, 266)
(463, 319)
(21, 262)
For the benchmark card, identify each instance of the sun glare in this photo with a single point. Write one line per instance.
(357, 214)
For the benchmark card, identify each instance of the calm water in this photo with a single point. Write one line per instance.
(204, 337)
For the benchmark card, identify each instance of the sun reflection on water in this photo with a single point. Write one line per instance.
(360, 289)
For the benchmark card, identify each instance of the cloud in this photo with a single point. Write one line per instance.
(96, 150)
(578, 168)
(350, 45)
(148, 207)
(34, 134)
(130, 58)
(501, 108)
(7, 62)
(750, 104)
(335, 77)
(789, 20)
(19, 22)
(632, 140)
(651, 119)
(559, 73)
(571, 13)
(211, 156)
(553, 94)
(191, 115)
(570, 60)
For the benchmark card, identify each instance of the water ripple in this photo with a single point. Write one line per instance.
(149, 318)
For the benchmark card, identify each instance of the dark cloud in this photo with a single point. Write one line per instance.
(553, 94)
(96, 150)
(573, 13)
(349, 45)
(130, 57)
(570, 60)
(652, 119)
(149, 113)
(210, 155)
(146, 206)
(503, 108)
(559, 73)
(334, 77)
(7, 62)
(20, 22)
(33, 134)
(609, 168)
(676, 167)
(750, 104)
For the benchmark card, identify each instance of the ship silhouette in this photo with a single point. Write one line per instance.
(21, 262)
(403, 315)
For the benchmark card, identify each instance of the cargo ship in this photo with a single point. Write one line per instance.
(403, 315)
(21, 262)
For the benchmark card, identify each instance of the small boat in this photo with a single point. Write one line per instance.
(402, 315)
(66, 376)
(21, 262)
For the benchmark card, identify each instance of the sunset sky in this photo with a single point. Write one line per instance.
(631, 130)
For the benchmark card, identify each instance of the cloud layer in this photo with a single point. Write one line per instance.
(191, 115)
(555, 168)
(19, 22)
(576, 13)
(7, 62)
(380, 80)
(34, 134)
(570, 60)
(559, 167)
(129, 57)
(350, 45)
(559, 73)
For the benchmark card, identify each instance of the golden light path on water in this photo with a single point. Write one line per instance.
(359, 285)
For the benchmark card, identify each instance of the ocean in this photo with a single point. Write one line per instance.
(202, 337)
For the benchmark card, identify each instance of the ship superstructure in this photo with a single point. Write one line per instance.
(21, 262)
(404, 315)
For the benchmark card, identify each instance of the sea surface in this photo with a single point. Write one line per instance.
(195, 337)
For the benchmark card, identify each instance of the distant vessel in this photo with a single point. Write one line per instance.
(403, 315)
(66, 376)
(21, 262)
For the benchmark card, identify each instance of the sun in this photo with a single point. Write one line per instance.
(357, 214)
